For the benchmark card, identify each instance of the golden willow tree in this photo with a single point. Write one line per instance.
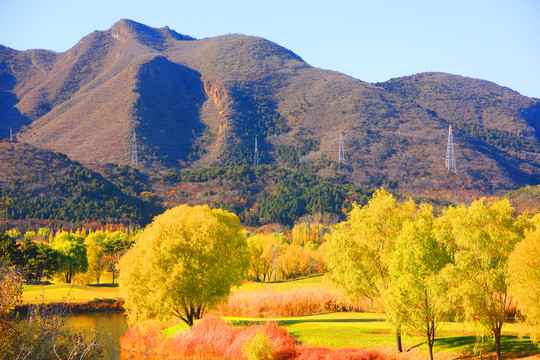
(185, 262)
(417, 286)
(360, 249)
(524, 273)
(481, 237)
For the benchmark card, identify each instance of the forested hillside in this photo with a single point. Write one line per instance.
(46, 185)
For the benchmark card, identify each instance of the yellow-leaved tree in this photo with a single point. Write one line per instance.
(359, 250)
(481, 237)
(185, 262)
(524, 273)
(416, 280)
(264, 250)
(95, 254)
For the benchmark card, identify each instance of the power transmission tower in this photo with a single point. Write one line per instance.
(134, 156)
(341, 158)
(256, 155)
(11, 134)
(450, 153)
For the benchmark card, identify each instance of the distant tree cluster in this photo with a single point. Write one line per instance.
(128, 179)
(501, 139)
(290, 155)
(85, 255)
(290, 255)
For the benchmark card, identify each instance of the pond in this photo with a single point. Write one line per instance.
(109, 325)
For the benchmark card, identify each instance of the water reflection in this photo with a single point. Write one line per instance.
(110, 325)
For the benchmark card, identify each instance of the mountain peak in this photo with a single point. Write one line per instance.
(129, 25)
(149, 36)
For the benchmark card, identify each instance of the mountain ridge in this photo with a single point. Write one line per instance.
(196, 103)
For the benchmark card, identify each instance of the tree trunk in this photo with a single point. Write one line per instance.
(190, 319)
(498, 345)
(431, 337)
(399, 347)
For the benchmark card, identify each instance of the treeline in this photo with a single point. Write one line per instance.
(289, 255)
(292, 201)
(82, 256)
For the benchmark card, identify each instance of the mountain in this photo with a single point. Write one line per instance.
(189, 103)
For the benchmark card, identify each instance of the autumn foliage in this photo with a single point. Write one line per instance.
(213, 338)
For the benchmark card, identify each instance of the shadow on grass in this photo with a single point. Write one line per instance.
(293, 321)
(518, 347)
(103, 285)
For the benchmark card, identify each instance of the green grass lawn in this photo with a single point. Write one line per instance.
(67, 292)
(366, 330)
(79, 293)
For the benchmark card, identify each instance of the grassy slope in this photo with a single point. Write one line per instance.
(80, 293)
(67, 292)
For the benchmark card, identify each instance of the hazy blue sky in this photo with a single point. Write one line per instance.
(496, 40)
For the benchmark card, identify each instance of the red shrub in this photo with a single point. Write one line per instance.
(141, 339)
(213, 335)
(209, 333)
(213, 338)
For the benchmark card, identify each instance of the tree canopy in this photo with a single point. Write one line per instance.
(360, 249)
(416, 288)
(184, 262)
(524, 277)
(72, 254)
(481, 237)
